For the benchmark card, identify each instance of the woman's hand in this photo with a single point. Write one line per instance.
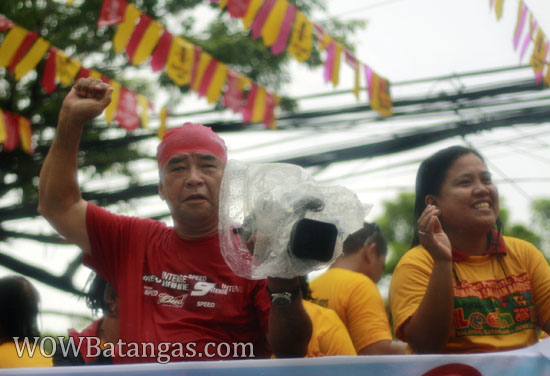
(431, 235)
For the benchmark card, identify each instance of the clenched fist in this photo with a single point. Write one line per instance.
(86, 100)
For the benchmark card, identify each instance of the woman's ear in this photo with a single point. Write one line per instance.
(430, 200)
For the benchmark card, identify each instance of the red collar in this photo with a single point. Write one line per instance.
(497, 246)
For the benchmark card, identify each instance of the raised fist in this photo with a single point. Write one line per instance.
(86, 100)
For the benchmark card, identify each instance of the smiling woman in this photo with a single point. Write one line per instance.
(464, 287)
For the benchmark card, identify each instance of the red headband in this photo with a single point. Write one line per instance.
(190, 138)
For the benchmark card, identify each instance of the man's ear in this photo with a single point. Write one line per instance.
(161, 190)
(369, 252)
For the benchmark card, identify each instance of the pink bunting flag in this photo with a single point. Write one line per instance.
(237, 8)
(260, 19)
(286, 27)
(207, 77)
(528, 38)
(329, 62)
(5, 23)
(269, 114)
(137, 35)
(520, 26)
(158, 60)
(126, 113)
(233, 96)
(112, 12)
(49, 73)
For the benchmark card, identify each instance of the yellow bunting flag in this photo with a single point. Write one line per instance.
(163, 126)
(217, 83)
(336, 64)
(148, 42)
(357, 85)
(3, 132)
(222, 4)
(251, 12)
(179, 65)
(259, 106)
(110, 111)
(32, 58)
(539, 52)
(144, 107)
(380, 100)
(547, 77)
(25, 134)
(11, 43)
(125, 29)
(204, 61)
(95, 74)
(301, 40)
(67, 68)
(272, 26)
(499, 5)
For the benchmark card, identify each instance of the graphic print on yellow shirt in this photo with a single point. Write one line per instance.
(494, 307)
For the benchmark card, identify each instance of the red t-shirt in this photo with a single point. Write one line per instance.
(178, 298)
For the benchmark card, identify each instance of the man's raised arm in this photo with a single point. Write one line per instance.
(60, 201)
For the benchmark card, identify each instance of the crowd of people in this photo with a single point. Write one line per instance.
(166, 293)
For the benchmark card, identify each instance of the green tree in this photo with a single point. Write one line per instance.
(541, 221)
(107, 150)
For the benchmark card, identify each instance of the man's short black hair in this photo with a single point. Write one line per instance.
(369, 233)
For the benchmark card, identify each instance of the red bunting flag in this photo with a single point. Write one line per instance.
(207, 77)
(248, 110)
(12, 131)
(233, 96)
(237, 8)
(112, 12)
(260, 19)
(5, 23)
(160, 56)
(126, 113)
(137, 35)
(49, 72)
(23, 48)
(286, 27)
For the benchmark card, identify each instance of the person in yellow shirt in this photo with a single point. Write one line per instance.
(349, 288)
(463, 287)
(19, 309)
(330, 336)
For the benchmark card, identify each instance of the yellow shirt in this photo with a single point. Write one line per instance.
(9, 358)
(329, 336)
(494, 309)
(358, 303)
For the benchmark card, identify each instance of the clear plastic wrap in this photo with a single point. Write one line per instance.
(260, 204)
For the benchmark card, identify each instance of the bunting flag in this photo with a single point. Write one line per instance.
(11, 125)
(217, 83)
(5, 24)
(379, 92)
(126, 28)
(11, 44)
(85, 73)
(261, 18)
(3, 133)
(207, 68)
(126, 113)
(272, 26)
(529, 36)
(32, 58)
(547, 77)
(499, 5)
(520, 23)
(286, 26)
(143, 39)
(25, 135)
(163, 126)
(538, 56)
(179, 65)
(158, 61)
(66, 68)
(25, 45)
(332, 63)
(237, 8)
(233, 96)
(49, 73)
(301, 40)
(354, 64)
(199, 70)
(115, 97)
(144, 106)
(251, 12)
(269, 114)
(112, 12)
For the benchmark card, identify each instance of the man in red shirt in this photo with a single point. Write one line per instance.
(178, 298)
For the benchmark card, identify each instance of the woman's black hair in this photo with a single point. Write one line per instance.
(304, 288)
(369, 232)
(430, 177)
(18, 308)
(97, 296)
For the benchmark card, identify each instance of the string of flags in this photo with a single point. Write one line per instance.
(142, 39)
(283, 27)
(22, 50)
(527, 31)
